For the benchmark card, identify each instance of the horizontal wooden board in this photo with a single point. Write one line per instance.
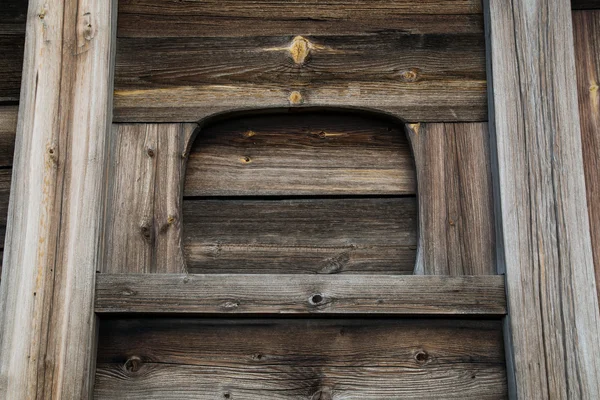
(301, 154)
(300, 359)
(300, 294)
(327, 236)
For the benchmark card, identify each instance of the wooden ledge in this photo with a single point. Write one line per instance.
(300, 294)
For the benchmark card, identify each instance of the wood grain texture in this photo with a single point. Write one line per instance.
(300, 294)
(8, 127)
(455, 199)
(586, 25)
(311, 153)
(324, 236)
(47, 323)
(300, 359)
(12, 41)
(553, 329)
(143, 224)
(183, 61)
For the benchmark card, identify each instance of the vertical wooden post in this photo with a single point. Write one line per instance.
(47, 324)
(553, 328)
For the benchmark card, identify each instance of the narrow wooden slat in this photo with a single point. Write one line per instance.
(300, 294)
(300, 359)
(316, 9)
(417, 77)
(301, 154)
(143, 228)
(455, 199)
(544, 240)
(47, 323)
(586, 25)
(326, 236)
(8, 127)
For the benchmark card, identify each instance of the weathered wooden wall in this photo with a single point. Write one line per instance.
(586, 25)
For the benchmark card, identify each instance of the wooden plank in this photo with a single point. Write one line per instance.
(307, 9)
(455, 199)
(47, 323)
(300, 294)
(586, 25)
(143, 228)
(325, 236)
(300, 359)
(301, 154)
(433, 77)
(544, 242)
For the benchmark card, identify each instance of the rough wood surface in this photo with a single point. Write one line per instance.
(47, 323)
(300, 294)
(301, 154)
(455, 199)
(553, 329)
(586, 25)
(13, 15)
(143, 224)
(325, 236)
(8, 127)
(300, 359)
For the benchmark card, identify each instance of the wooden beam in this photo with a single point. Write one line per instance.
(47, 324)
(300, 294)
(553, 328)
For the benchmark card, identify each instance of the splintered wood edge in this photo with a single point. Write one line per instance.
(300, 294)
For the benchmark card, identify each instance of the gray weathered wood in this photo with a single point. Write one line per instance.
(300, 359)
(47, 324)
(300, 294)
(312, 235)
(455, 199)
(553, 329)
(586, 25)
(143, 224)
(301, 154)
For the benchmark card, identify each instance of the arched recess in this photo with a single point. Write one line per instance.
(308, 191)
(451, 164)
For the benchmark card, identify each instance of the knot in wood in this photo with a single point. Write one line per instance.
(296, 98)
(133, 364)
(300, 49)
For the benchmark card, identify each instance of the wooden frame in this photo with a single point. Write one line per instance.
(552, 332)
(47, 319)
(56, 203)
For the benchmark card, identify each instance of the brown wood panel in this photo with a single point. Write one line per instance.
(325, 236)
(455, 199)
(301, 154)
(8, 127)
(143, 229)
(544, 237)
(300, 359)
(13, 15)
(300, 294)
(586, 25)
(417, 77)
